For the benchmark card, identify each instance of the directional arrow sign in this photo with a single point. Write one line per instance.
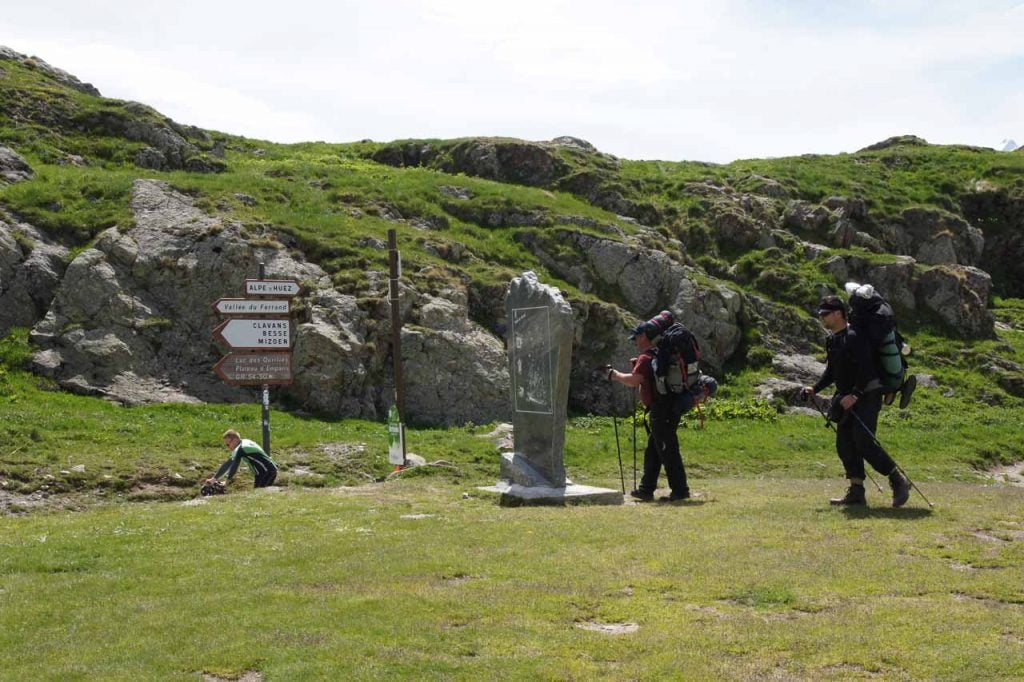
(251, 306)
(272, 287)
(242, 334)
(255, 368)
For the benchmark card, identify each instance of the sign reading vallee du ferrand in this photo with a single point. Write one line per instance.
(272, 287)
(253, 306)
(268, 367)
(244, 334)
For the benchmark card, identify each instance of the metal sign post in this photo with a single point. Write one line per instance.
(395, 267)
(265, 388)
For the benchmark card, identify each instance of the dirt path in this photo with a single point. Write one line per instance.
(1012, 474)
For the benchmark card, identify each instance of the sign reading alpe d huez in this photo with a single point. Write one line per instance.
(282, 288)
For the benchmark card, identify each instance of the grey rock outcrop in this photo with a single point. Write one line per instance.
(936, 238)
(170, 145)
(646, 280)
(930, 236)
(959, 296)
(782, 329)
(59, 75)
(801, 369)
(763, 186)
(573, 143)
(894, 281)
(524, 163)
(807, 217)
(502, 159)
(910, 140)
(132, 321)
(1001, 211)
(853, 208)
(134, 310)
(168, 150)
(455, 377)
(31, 267)
(13, 168)
(338, 369)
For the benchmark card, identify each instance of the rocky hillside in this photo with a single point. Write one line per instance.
(119, 228)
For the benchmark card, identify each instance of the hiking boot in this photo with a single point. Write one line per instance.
(854, 496)
(900, 488)
(907, 390)
(641, 495)
(675, 497)
(888, 398)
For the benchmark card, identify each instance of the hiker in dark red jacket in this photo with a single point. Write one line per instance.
(663, 415)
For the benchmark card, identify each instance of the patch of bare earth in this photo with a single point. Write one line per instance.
(1012, 474)
(12, 503)
(608, 628)
(846, 670)
(248, 676)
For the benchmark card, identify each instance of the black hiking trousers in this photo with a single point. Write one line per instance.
(855, 442)
(663, 446)
(265, 477)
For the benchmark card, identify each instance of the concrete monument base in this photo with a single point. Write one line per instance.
(515, 495)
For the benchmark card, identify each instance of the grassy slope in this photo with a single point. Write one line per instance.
(948, 433)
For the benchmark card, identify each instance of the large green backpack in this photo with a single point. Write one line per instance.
(872, 317)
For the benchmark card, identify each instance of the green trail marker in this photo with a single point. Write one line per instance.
(396, 438)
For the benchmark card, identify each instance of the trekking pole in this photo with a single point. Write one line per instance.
(618, 450)
(632, 417)
(607, 369)
(828, 424)
(898, 467)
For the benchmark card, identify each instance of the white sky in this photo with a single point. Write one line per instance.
(644, 79)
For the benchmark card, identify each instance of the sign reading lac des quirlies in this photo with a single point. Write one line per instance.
(272, 367)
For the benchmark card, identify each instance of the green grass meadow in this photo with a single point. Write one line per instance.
(422, 579)
(347, 572)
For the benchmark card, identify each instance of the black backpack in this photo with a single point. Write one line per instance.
(872, 317)
(677, 363)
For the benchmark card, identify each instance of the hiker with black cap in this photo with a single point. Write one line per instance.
(851, 367)
(663, 414)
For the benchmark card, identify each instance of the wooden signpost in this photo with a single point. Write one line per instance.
(258, 334)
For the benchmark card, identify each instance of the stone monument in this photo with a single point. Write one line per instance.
(540, 333)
